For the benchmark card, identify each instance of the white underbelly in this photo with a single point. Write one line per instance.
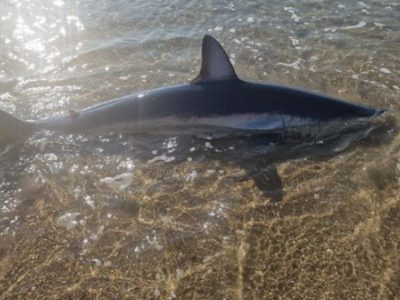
(233, 124)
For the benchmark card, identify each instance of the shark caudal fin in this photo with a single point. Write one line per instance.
(13, 129)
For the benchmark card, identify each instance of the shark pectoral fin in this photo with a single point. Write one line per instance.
(73, 114)
(269, 183)
(215, 65)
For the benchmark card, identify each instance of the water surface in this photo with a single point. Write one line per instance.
(150, 217)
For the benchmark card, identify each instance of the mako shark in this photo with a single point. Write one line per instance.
(216, 101)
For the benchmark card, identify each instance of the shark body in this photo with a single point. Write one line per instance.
(216, 101)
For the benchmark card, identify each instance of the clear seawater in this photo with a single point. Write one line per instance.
(150, 217)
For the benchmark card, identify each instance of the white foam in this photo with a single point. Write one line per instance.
(192, 176)
(384, 70)
(359, 25)
(161, 158)
(295, 42)
(59, 3)
(295, 17)
(118, 182)
(294, 65)
(68, 221)
(90, 202)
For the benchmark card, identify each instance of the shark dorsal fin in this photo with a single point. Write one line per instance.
(215, 65)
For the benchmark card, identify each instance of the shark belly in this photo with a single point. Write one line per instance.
(235, 124)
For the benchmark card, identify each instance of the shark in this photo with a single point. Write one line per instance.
(216, 101)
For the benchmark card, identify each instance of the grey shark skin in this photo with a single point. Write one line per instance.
(216, 101)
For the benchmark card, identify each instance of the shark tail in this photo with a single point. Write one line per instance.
(12, 128)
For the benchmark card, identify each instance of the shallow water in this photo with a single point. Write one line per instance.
(150, 217)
